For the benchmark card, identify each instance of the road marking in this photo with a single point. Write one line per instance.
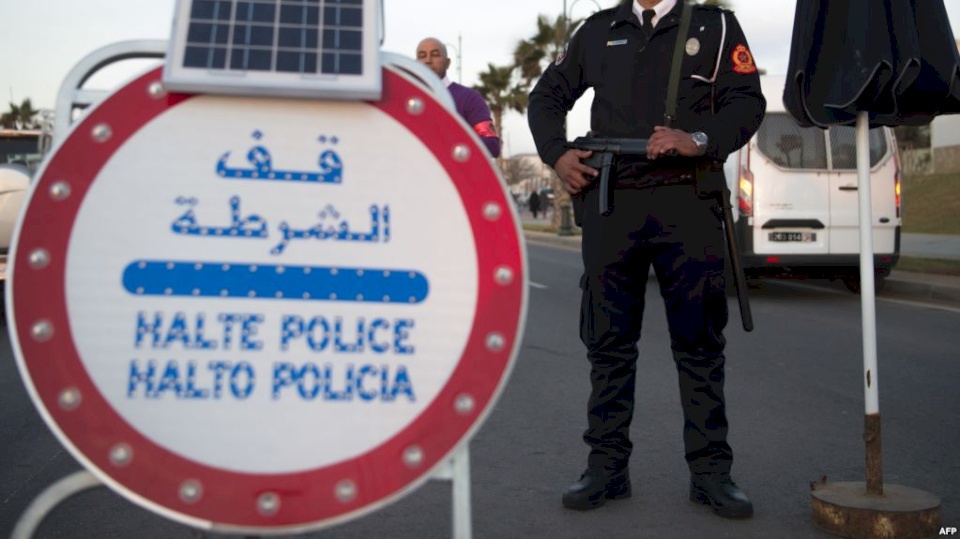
(538, 285)
(901, 301)
(914, 303)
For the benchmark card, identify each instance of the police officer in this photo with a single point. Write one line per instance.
(625, 54)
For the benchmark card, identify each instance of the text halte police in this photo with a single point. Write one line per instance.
(219, 379)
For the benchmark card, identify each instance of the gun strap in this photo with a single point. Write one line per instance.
(670, 112)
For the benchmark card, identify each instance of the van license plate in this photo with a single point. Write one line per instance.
(804, 237)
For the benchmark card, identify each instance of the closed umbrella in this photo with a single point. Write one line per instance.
(896, 60)
(872, 63)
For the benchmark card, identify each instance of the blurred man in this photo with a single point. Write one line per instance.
(432, 53)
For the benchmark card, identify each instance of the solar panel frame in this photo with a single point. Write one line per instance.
(294, 48)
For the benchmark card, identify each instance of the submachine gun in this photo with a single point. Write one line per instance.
(710, 183)
(604, 149)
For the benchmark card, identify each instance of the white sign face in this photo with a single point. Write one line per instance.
(354, 292)
(242, 306)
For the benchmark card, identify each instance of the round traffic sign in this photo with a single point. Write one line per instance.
(266, 314)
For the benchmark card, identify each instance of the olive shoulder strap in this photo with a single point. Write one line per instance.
(670, 112)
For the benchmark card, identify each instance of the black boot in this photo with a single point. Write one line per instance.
(722, 494)
(595, 488)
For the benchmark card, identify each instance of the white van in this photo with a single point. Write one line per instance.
(19, 156)
(795, 198)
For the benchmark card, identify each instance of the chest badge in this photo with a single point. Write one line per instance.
(693, 46)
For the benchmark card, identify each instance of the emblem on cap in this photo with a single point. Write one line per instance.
(693, 46)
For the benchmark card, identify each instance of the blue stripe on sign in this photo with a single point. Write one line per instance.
(314, 283)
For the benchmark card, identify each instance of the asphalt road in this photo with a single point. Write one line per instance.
(795, 404)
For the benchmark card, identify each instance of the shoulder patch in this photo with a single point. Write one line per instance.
(743, 60)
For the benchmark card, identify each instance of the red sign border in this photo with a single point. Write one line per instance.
(161, 480)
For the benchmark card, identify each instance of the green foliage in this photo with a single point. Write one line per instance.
(928, 265)
(931, 204)
(910, 137)
(533, 54)
(502, 93)
(22, 116)
(545, 227)
(508, 87)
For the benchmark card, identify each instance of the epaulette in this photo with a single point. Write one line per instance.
(604, 15)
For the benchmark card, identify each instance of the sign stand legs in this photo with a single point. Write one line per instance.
(50, 498)
(457, 470)
(461, 494)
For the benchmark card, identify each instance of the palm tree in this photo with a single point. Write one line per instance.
(8, 121)
(20, 116)
(502, 93)
(533, 54)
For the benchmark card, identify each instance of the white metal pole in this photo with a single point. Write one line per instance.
(564, 19)
(462, 511)
(867, 275)
(49, 499)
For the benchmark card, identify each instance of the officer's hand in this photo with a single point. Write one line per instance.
(575, 175)
(671, 142)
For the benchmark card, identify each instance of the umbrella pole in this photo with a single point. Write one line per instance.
(868, 308)
(854, 509)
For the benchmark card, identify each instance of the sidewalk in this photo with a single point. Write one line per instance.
(923, 286)
(944, 289)
(930, 246)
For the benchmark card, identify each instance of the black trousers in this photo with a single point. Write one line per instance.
(681, 236)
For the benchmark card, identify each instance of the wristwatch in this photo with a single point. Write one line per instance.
(701, 140)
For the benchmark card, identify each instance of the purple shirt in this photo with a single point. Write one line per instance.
(473, 109)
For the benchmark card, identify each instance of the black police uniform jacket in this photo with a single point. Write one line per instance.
(719, 90)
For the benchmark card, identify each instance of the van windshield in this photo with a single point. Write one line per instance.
(20, 148)
(794, 147)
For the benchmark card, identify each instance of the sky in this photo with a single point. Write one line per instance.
(42, 40)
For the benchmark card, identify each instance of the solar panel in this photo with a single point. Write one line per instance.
(300, 48)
